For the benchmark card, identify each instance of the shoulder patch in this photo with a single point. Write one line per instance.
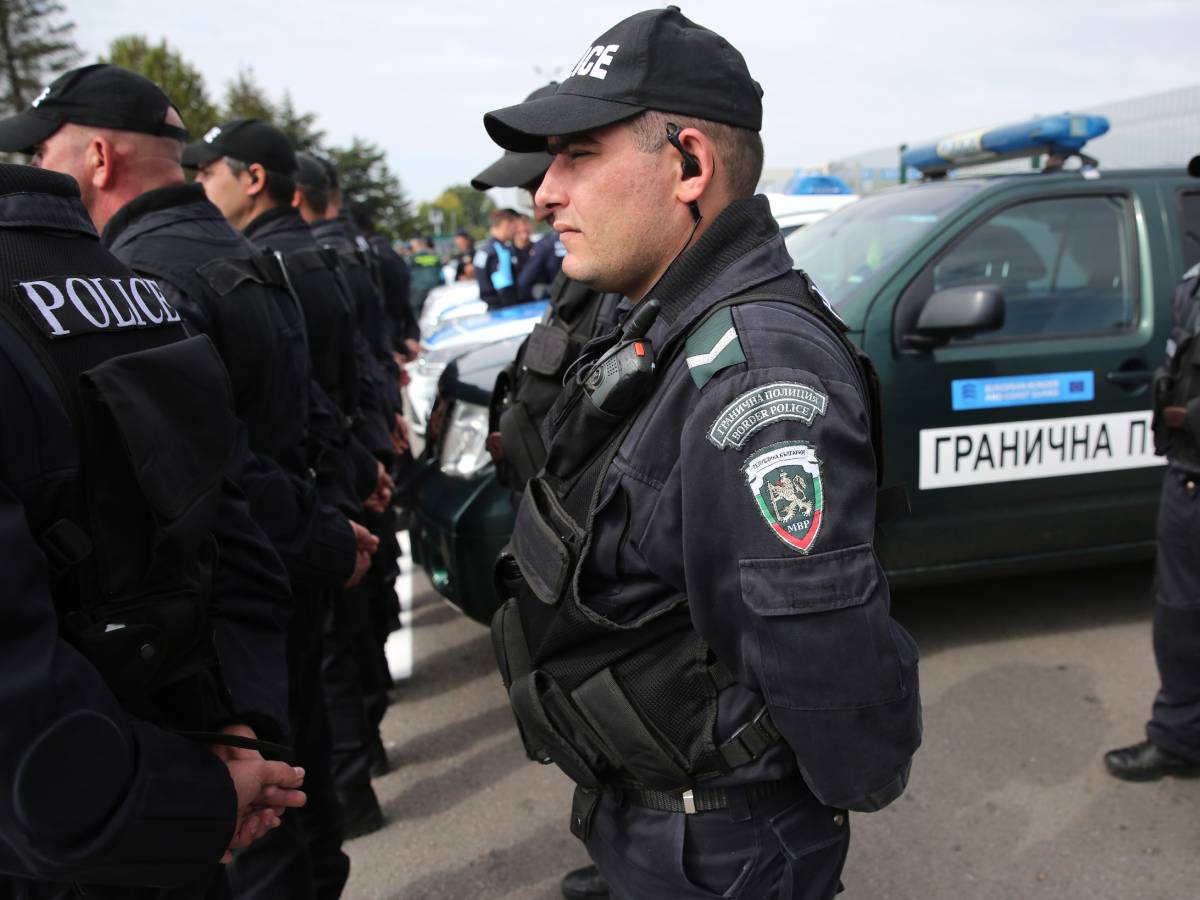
(65, 306)
(762, 406)
(713, 346)
(481, 258)
(785, 481)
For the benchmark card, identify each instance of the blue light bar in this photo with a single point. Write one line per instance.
(816, 184)
(1053, 135)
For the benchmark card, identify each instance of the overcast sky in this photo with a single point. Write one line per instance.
(839, 77)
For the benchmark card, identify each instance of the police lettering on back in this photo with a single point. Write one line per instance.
(595, 62)
(123, 303)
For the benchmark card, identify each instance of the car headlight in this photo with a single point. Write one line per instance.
(463, 451)
(422, 389)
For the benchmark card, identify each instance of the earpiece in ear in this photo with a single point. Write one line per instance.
(691, 165)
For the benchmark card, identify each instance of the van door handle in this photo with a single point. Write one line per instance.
(1130, 377)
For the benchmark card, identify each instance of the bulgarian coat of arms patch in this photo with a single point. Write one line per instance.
(785, 480)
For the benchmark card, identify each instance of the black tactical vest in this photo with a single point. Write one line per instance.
(1177, 382)
(257, 325)
(130, 547)
(627, 705)
(329, 314)
(527, 387)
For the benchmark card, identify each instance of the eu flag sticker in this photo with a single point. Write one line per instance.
(1022, 390)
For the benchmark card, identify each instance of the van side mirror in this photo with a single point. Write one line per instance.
(957, 312)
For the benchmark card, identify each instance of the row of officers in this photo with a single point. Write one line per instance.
(200, 387)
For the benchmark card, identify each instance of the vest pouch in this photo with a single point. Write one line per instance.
(146, 645)
(546, 350)
(585, 429)
(160, 412)
(523, 447)
(508, 643)
(642, 752)
(554, 732)
(545, 543)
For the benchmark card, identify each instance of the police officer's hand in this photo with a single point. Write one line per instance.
(382, 495)
(367, 545)
(494, 446)
(264, 790)
(400, 435)
(227, 753)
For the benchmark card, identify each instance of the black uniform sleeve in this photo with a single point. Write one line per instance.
(774, 502)
(251, 604)
(89, 793)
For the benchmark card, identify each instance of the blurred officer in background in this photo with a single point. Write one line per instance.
(657, 647)
(426, 267)
(1172, 745)
(355, 668)
(142, 599)
(493, 261)
(464, 253)
(394, 282)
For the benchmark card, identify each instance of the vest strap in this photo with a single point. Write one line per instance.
(698, 800)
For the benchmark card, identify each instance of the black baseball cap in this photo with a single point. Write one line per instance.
(246, 140)
(656, 59)
(517, 169)
(310, 173)
(100, 95)
(1194, 167)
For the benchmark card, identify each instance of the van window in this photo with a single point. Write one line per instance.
(1066, 266)
(1189, 225)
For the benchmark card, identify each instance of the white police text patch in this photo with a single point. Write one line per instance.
(68, 306)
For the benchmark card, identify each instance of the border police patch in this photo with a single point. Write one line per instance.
(762, 406)
(785, 480)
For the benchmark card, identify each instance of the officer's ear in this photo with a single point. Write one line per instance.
(697, 165)
(257, 179)
(99, 161)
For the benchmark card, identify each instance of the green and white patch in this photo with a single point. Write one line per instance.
(785, 479)
(762, 406)
(713, 346)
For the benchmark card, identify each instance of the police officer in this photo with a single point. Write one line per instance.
(1172, 745)
(493, 261)
(394, 284)
(700, 634)
(464, 253)
(241, 169)
(426, 272)
(106, 559)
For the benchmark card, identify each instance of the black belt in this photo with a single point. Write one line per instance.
(696, 800)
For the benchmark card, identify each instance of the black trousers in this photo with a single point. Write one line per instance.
(785, 849)
(303, 858)
(1175, 722)
(352, 735)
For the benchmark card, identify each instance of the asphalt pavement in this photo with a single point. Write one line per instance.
(1026, 682)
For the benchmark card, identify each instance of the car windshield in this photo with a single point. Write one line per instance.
(842, 251)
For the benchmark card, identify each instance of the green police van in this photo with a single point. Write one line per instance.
(1015, 322)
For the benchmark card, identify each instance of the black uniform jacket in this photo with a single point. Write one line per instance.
(331, 329)
(89, 793)
(747, 484)
(373, 427)
(263, 348)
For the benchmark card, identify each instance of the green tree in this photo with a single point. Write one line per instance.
(301, 128)
(36, 45)
(462, 207)
(245, 99)
(365, 178)
(179, 79)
